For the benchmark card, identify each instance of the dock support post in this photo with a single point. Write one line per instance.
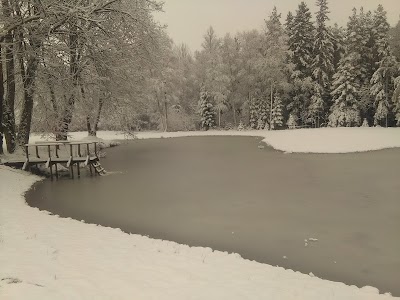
(71, 169)
(78, 169)
(51, 171)
(56, 167)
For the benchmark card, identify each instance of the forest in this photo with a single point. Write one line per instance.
(85, 65)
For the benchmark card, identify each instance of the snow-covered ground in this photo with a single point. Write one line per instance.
(47, 257)
(323, 140)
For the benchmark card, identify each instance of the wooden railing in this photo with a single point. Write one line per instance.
(55, 156)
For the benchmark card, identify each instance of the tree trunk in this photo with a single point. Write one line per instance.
(9, 116)
(89, 126)
(160, 110)
(166, 112)
(271, 106)
(96, 122)
(219, 118)
(234, 113)
(74, 73)
(387, 96)
(28, 78)
(1, 101)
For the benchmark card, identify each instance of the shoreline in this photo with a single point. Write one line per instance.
(49, 257)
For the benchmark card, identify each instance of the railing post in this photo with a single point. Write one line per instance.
(27, 152)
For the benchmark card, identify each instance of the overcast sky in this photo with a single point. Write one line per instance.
(188, 20)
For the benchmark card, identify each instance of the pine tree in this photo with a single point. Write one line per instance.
(382, 87)
(365, 123)
(253, 113)
(396, 100)
(355, 70)
(359, 41)
(207, 112)
(241, 126)
(394, 40)
(292, 121)
(263, 113)
(317, 104)
(345, 110)
(381, 34)
(289, 22)
(322, 64)
(301, 38)
(300, 44)
(277, 114)
(385, 66)
(338, 37)
(365, 48)
(274, 29)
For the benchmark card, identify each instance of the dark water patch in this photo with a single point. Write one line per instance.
(227, 194)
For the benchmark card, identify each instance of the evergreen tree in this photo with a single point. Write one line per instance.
(253, 113)
(317, 104)
(345, 110)
(394, 40)
(359, 42)
(241, 126)
(382, 87)
(300, 44)
(301, 37)
(396, 100)
(207, 112)
(381, 35)
(365, 48)
(322, 64)
(364, 45)
(357, 60)
(365, 123)
(277, 114)
(338, 37)
(263, 113)
(292, 121)
(385, 66)
(289, 22)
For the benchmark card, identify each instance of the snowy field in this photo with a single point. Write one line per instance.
(47, 257)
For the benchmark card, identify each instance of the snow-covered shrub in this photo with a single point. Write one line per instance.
(206, 110)
(292, 121)
(241, 126)
(179, 120)
(228, 126)
(365, 123)
(344, 116)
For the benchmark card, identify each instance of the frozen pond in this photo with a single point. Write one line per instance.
(227, 194)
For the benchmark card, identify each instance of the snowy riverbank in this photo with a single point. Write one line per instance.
(323, 140)
(46, 257)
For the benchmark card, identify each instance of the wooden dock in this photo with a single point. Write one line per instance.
(78, 154)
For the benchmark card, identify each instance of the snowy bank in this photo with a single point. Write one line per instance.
(47, 257)
(322, 140)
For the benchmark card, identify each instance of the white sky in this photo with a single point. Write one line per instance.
(188, 20)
